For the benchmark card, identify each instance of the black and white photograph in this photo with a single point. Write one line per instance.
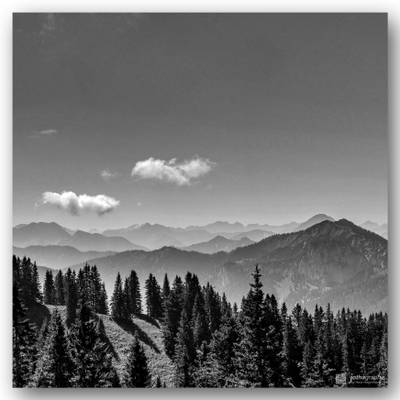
(200, 200)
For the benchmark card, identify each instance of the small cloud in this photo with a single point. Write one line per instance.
(106, 174)
(172, 171)
(45, 133)
(139, 204)
(76, 204)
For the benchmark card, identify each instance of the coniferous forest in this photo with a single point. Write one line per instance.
(59, 337)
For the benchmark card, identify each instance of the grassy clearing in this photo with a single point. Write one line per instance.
(121, 336)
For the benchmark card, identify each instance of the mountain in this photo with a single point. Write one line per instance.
(380, 229)
(218, 243)
(316, 219)
(85, 241)
(220, 226)
(154, 236)
(254, 235)
(39, 233)
(58, 257)
(50, 233)
(333, 261)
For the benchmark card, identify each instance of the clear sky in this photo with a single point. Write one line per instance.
(267, 118)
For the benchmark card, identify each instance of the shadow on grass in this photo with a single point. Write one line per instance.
(133, 329)
(148, 319)
(106, 339)
(38, 313)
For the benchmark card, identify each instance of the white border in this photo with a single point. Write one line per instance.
(8, 6)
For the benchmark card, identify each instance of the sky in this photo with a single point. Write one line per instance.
(184, 119)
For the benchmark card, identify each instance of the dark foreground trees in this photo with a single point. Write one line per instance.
(136, 372)
(209, 342)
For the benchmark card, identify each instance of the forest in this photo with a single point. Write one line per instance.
(210, 342)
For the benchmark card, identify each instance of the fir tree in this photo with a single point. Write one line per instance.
(24, 342)
(173, 309)
(92, 354)
(49, 288)
(59, 288)
(153, 298)
(56, 366)
(118, 303)
(201, 330)
(135, 299)
(71, 296)
(185, 353)
(136, 372)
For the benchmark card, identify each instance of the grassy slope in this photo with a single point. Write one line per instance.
(151, 338)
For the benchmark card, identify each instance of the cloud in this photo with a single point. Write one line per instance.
(76, 204)
(44, 133)
(106, 174)
(48, 132)
(171, 171)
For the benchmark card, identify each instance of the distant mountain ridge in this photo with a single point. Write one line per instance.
(50, 233)
(218, 243)
(58, 257)
(336, 262)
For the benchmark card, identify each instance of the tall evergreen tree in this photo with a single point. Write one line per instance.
(201, 330)
(102, 306)
(92, 354)
(185, 353)
(135, 299)
(136, 372)
(118, 303)
(71, 296)
(49, 288)
(56, 366)
(172, 316)
(252, 366)
(24, 342)
(153, 298)
(59, 288)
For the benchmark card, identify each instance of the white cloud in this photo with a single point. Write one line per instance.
(44, 133)
(106, 174)
(76, 204)
(171, 171)
(48, 132)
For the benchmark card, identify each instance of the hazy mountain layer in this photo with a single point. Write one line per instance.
(58, 257)
(218, 243)
(336, 262)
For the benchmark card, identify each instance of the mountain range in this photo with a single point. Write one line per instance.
(58, 257)
(218, 243)
(45, 234)
(332, 261)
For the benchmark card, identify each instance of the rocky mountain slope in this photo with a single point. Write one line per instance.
(336, 262)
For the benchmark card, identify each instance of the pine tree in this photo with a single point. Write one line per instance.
(71, 296)
(153, 298)
(185, 353)
(172, 316)
(166, 290)
(56, 366)
(118, 303)
(135, 299)
(252, 366)
(24, 342)
(37, 294)
(59, 288)
(136, 372)
(49, 288)
(92, 354)
(201, 330)
(102, 306)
